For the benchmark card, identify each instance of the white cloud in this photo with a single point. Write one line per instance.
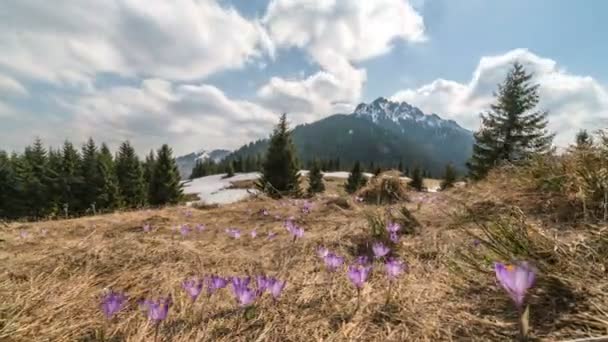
(335, 34)
(574, 102)
(10, 86)
(72, 42)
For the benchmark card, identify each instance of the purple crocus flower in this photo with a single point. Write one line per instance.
(215, 283)
(393, 227)
(193, 288)
(240, 282)
(254, 234)
(362, 260)
(394, 237)
(275, 287)
(333, 261)
(147, 228)
(380, 250)
(184, 229)
(201, 227)
(515, 279)
(307, 207)
(112, 303)
(157, 311)
(244, 295)
(265, 212)
(233, 232)
(294, 230)
(322, 252)
(262, 282)
(394, 268)
(358, 275)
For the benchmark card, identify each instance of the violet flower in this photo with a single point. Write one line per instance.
(294, 230)
(393, 227)
(358, 274)
(322, 252)
(333, 261)
(262, 283)
(147, 228)
(515, 279)
(193, 288)
(394, 237)
(157, 311)
(234, 233)
(184, 229)
(362, 260)
(201, 228)
(275, 287)
(476, 243)
(242, 293)
(215, 283)
(380, 250)
(307, 207)
(254, 234)
(394, 268)
(265, 212)
(112, 303)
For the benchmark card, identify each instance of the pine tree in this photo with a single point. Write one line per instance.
(315, 179)
(513, 129)
(71, 181)
(89, 174)
(417, 179)
(32, 174)
(130, 176)
(166, 187)
(449, 177)
(229, 170)
(109, 193)
(148, 169)
(54, 175)
(280, 170)
(355, 179)
(9, 189)
(197, 170)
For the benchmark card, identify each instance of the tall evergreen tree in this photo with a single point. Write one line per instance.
(449, 177)
(148, 169)
(315, 179)
(130, 176)
(109, 193)
(513, 129)
(32, 174)
(229, 169)
(417, 179)
(71, 181)
(90, 174)
(9, 189)
(280, 170)
(166, 186)
(355, 180)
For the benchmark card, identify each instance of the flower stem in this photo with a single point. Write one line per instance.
(358, 300)
(388, 293)
(523, 323)
(156, 331)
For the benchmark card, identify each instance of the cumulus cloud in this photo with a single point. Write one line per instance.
(72, 42)
(11, 87)
(574, 102)
(335, 34)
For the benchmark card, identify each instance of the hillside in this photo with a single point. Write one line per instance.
(186, 162)
(53, 274)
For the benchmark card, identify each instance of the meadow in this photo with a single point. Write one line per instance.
(55, 275)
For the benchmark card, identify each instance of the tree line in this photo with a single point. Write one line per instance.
(41, 183)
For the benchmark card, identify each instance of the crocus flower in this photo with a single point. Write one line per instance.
(394, 237)
(358, 275)
(254, 233)
(333, 261)
(200, 227)
(262, 282)
(307, 207)
(363, 260)
(193, 288)
(147, 228)
(275, 287)
(393, 227)
(243, 294)
(322, 252)
(184, 230)
(235, 233)
(380, 250)
(294, 230)
(157, 311)
(112, 303)
(515, 279)
(265, 212)
(240, 282)
(215, 283)
(394, 268)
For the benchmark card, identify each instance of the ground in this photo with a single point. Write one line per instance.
(53, 274)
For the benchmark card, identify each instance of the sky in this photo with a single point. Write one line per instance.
(206, 74)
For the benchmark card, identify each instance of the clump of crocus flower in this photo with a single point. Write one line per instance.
(112, 303)
(215, 283)
(333, 261)
(393, 268)
(193, 287)
(380, 250)
(234, 233)
(517, 279)
(358, 274)
(243, 294)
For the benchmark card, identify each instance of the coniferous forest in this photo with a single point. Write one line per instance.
(46, 182)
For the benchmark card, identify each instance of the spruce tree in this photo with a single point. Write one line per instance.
(130, 176)
(90, 174)
(148, 169)
(9, 189)
(449, 177)
(229, 170)
(166, 187)
(197, 170)
(32, 172)
(71, 181)
(355, 180)
(109, 193)
(315, 179)
(513, 129)
(417, 179)
(280, 168)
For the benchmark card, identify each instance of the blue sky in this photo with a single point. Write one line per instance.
(216, 73)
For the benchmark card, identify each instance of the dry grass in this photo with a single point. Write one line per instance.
(50, 285)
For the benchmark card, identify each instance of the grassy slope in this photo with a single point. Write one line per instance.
(50, 285)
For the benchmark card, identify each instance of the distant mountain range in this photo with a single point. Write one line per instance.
(187, 162)
(383, 132)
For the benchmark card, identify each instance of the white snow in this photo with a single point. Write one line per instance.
(213, 189)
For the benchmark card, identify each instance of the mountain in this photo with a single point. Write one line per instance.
(444, 139)
(382, 132)
(186, 163)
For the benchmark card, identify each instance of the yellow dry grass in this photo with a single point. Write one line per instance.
(50, 285)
